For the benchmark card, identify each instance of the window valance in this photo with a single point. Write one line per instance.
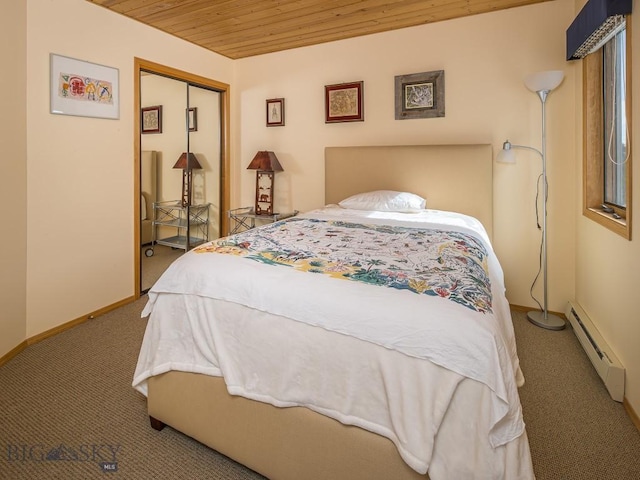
(597, 22)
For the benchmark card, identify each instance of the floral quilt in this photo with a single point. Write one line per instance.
(447, 264)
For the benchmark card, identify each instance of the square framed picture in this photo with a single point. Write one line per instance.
(151, 119)
(419, 95)
(83, 89)
(344, 102)
(192, 119)
(275, 112)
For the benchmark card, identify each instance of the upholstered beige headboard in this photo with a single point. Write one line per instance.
(458, 178)
(149, 178)
(149, 192)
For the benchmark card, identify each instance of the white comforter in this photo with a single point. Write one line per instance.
(390, 362)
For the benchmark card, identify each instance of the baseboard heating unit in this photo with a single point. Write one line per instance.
(603, 359)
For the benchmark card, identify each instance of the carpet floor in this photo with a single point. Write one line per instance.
(68, 411)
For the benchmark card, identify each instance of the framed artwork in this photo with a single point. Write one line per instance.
(420, 95)
(151, 119)
(192, 119)
(82, 88)
(343, 102)
(275, 112)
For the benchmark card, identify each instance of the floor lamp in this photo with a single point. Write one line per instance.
(540, 83)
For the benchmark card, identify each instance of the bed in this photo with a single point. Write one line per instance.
(280, 370)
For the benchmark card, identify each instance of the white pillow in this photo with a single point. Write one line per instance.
(143, 208)
(385, 201)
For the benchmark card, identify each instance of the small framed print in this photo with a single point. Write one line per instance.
(151, 119)
(192, 119)
(275, 112)
(419, 95)
(343, 102)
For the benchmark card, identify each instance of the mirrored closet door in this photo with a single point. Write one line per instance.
(180, 170)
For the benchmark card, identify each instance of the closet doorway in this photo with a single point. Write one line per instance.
(178, 114)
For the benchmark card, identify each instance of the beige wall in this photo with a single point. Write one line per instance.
(80, 170)
(13, 176)
(485, 58)
(608, 266)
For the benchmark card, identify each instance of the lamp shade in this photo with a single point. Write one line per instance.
(506, 155)
(188, 161)
(544, 81)
(265, 161)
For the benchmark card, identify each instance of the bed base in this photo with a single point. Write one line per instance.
(280, 443)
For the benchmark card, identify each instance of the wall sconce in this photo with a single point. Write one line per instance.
(187, 162)
(266, 164)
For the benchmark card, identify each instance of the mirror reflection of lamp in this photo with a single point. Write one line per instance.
(187, 162)
(266, 164)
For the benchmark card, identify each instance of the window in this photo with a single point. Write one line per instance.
(607, 123)
(616, 132)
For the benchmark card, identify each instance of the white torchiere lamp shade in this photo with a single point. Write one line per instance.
(544, 81)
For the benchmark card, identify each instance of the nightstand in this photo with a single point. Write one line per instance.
(244, 218)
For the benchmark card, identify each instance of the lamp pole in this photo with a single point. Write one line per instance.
(545, 319)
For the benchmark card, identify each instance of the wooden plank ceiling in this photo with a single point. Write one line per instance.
(243, 28)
